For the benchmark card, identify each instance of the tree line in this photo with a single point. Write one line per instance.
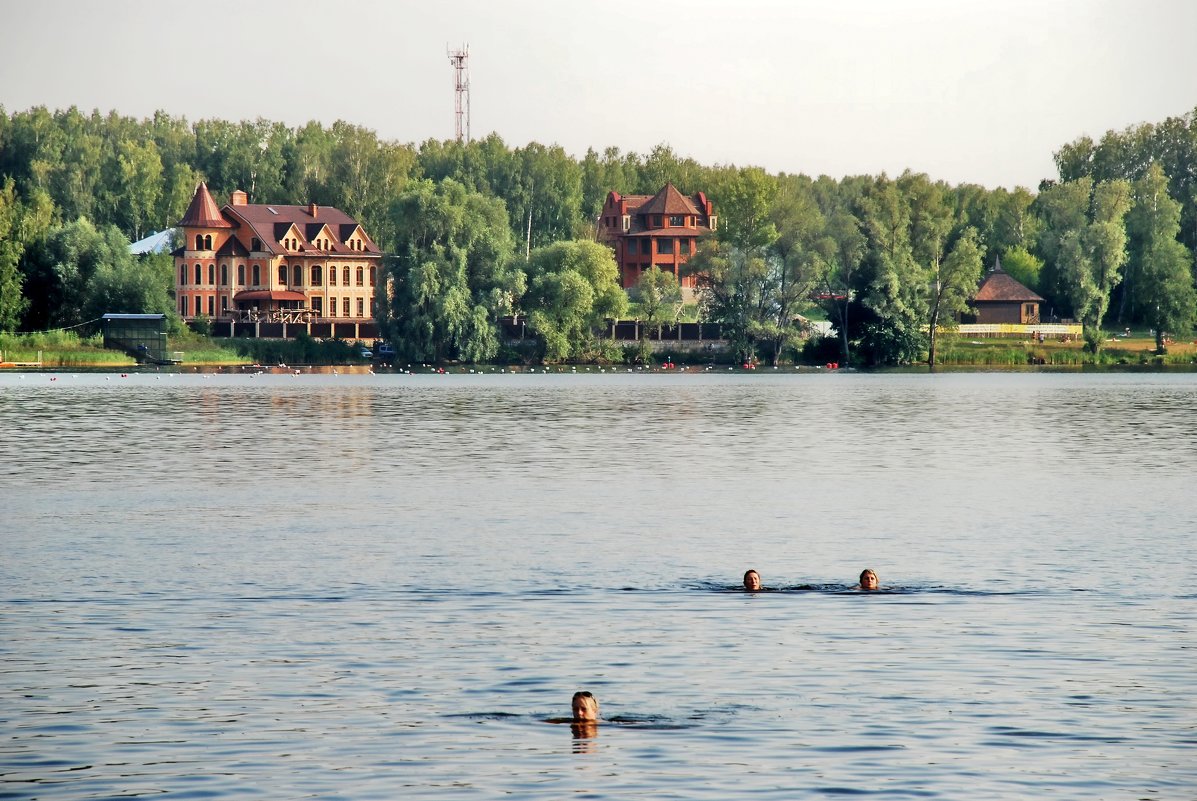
(481, 229)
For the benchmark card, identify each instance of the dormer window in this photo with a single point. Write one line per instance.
(676, 221)
(255, 244)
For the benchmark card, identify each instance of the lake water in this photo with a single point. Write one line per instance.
(380, 587)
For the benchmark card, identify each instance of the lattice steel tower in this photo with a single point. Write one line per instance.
(460, 59)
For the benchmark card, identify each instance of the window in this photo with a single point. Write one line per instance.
(656, 221)
(198, 307)
(183, 275)
(224, 275)
(332, 307)
(240, 275)
(665, 246)
(255, 244)
(361, 307)
(361, 276)
(332, 275)
(282, 274)
(676, 220)
(345, 305)
(208, 242)
(183, 306)
(257, 275)
(297, 275)
(345, 278)
(199, 242)
(212, 274)
(372, 276)
(318, 306)
(224, 303)
(317, 275)
(631, 247)
(627, 222)
(212, 306)
(199, 275)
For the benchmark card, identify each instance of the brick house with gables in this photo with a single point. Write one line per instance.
(273, 262)
(660, 230)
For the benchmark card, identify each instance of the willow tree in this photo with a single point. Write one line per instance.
(573, 289)
(452, 274)
(1164, 295)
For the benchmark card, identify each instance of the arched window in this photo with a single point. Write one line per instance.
(282, 274)
(199, 242)
(212, 306)
(372, 275)
(183, 278)
(183, 306)
(345, 279)
(208, 242)
(296, 276)
(361, 276)
(240, 275)
(199, 276)
(198, 308)
(317, 275)
(224, 275)
(257, 275)
(212, 274)
(332, 275)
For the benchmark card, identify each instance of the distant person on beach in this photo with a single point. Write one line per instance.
(868, 579)
(752, 581)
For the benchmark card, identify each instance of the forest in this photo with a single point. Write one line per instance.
(478, 230)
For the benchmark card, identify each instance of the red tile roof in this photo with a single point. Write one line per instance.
(270, 222)
(269, 294)
(1000, 287)
(668, 201)
(203, 211)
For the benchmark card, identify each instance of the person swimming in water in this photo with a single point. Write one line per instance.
(752, 580)
(586, 708)
(868, 580)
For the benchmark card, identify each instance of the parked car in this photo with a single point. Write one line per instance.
(365, 353)
(385, 351)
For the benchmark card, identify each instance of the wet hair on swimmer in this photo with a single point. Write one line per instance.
(585, 706)
(867, 572)
(748, 573)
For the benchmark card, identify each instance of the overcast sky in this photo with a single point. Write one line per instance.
(965, 90)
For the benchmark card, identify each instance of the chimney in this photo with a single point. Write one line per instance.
(239, 198)
(312, 209)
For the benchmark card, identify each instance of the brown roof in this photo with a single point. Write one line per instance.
(1000, 287)
(680, 231)
(232, 247)
(270, 222)
(668, 201)
(203, 211)
(269, 294)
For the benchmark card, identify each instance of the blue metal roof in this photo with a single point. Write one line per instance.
(161, 242)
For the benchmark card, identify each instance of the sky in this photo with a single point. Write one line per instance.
(967, 91)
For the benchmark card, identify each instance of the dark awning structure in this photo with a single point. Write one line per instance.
(269, 294)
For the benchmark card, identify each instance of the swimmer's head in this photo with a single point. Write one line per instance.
(585, 707)
(752, 580)
(868, 579)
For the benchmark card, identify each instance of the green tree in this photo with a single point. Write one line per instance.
(452, 274)
(659, 298)
(730, 287)
(1023, 266)
(140, 186)
(843, 247)
(12, 301)
(953, 283)
(573, 289)
(1088, 242)
(889, 290)
(1165, 296)
(79, 272)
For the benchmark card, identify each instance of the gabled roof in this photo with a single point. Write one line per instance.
(668, 201)
(1001, 287)
(232, 247)
(203, 211)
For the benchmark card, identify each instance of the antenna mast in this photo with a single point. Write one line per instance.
(461, 88)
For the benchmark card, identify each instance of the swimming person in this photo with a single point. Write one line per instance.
(868, 579)
(586, 708)
(752, 581)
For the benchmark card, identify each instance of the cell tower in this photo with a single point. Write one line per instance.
(460, 59)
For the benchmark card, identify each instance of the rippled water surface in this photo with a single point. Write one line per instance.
(377, 587)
